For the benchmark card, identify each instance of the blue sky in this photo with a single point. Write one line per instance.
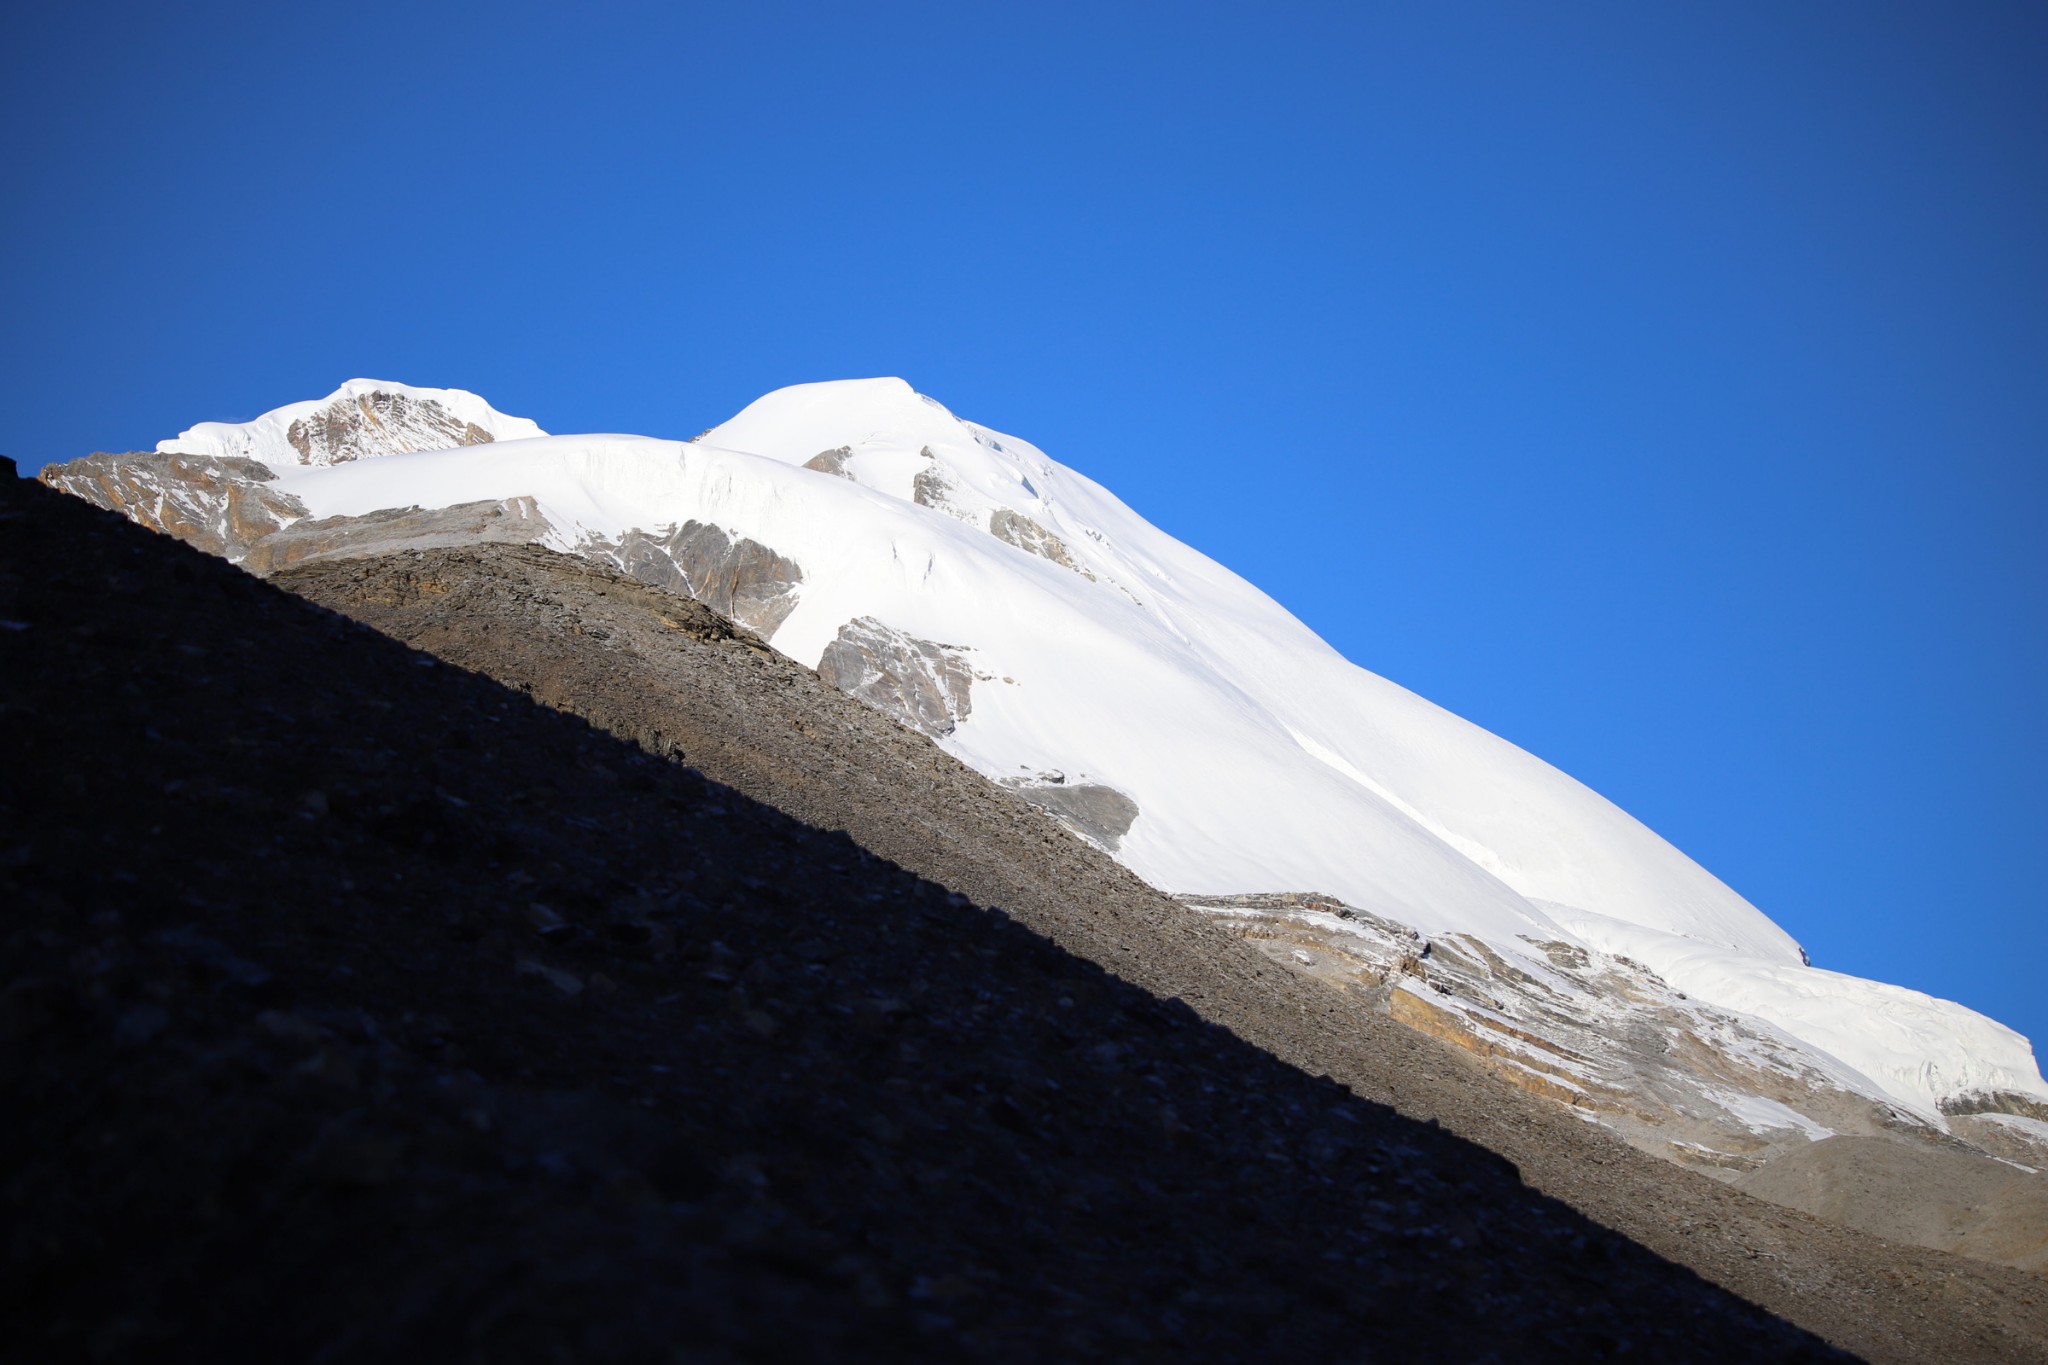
(1664, 387)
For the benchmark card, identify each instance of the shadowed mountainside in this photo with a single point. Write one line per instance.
(359, 1005)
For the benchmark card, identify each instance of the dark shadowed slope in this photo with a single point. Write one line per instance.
(652, 667)
(357, 1006)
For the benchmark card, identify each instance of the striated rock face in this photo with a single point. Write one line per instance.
(1996, 1102)
(736, 577)
(379, 423)
(361, 419)
(1719, 1092)
(1093, 810)
(507, 521)
(924, 684)
(1016, 529)
(221, 504)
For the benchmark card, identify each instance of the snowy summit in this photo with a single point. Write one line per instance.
(1044, 633)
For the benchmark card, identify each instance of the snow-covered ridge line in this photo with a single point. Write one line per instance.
(1255, 758)
(362, 419)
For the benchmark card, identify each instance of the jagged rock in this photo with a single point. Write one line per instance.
(931, 488)
(1098, 812)
(379, 423)
(738, 578)
(826, 461)
(924, 684)
(511, 521)
(1996, 1102)
(221, 504)
(1016, 529)
(1705, 1088)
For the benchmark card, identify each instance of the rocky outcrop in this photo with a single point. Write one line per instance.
(222, 504)
(922, 683)
(831, 462)
(1705, 1088)
(1996, 1102)
(362, 425)
(1099, 813)
(1720, 1093)
(734, 576)
(1014, 528)
(931, 487)
(507, 521)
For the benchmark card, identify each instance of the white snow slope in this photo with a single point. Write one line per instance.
(1259, 758)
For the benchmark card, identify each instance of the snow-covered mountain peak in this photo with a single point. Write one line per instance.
(884, 435)
(1047, 635)
(362, 419)
(796, 423)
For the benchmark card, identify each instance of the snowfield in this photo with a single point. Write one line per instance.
(1102, 649)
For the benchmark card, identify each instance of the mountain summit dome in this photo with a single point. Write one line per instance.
(362, 419)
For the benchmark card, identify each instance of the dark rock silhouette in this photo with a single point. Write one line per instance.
(357, 1005)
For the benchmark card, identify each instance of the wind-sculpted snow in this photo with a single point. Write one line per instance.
(1258, 758)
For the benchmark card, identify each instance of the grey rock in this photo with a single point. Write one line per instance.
(220, 504)
(924, 684)
(1601, 1035)
(379, 423)
(930, 488)
(508, 521)
(1096, 811)
(830, 461)
(1016, 529)
(738, 578)
(1995, 1102)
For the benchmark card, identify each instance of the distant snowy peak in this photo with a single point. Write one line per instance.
(362, 419)
(884, 435)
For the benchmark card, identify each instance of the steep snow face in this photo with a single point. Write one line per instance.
(361, 419)
(1083, 641)
(1334, 729)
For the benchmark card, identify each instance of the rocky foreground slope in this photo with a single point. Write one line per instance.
(588, 640)
(359, 1006)
(560, 916)
(1034, 627)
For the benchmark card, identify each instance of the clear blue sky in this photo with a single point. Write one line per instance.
(1663, 386)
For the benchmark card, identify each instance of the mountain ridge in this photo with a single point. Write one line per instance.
(1399, 808)
(368, 1009)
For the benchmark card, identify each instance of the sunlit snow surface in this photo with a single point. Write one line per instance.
(1260, 759)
